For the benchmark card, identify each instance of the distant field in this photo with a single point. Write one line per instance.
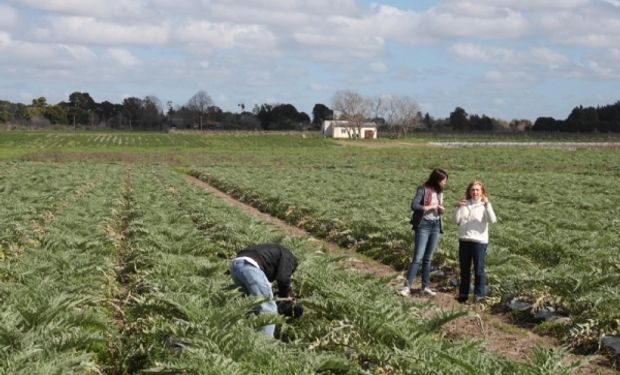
(114, 202)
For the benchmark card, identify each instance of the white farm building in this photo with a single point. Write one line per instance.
(347, 129)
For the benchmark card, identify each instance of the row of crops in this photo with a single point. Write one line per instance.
(42, 141)
(114, 269)
(555, 245)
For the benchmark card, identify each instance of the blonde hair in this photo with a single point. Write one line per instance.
(475, 182)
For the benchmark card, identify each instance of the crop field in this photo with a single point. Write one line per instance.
(110, 262)
(555, 244)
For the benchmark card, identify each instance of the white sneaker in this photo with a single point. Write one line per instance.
(429, 292)
(405, 292)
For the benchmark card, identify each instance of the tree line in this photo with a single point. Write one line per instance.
(396, 115)
(603, 119)
(149, 113)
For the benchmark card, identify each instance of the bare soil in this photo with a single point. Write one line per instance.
(495, 330)
(373, 143)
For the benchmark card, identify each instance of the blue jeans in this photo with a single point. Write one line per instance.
(425, 241)
(253, 281)
(472, 252)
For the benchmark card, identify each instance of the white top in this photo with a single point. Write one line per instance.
(432, 214)
(473, 220)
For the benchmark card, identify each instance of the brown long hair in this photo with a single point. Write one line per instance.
(436, 176)
(475, 182)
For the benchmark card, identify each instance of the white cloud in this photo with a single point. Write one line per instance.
(323, 88)
(470, 9)
(401, 25)
(42, 55)
(547, 57)
(485, 23)
(534, 56)
(282, 12)
(274, 17)
(587, 23)
(221, 35)
(122, 57)
(547, 5)
(8, 17)
(93, 8)
(605, 66)
(592, 27)
(378, 67)
(614, 54)
(339, 37)
(87, 30)
(338, 46)
(77, 53)
(604, 71)
(5, 39)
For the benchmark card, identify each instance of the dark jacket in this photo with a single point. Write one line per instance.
(277, 262)
(417, 208)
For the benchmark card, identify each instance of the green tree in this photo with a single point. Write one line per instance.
(320, 113)
(21, 113)
(39, 102)
(459, 120)
(79, 108)
(428, 122)
(479, 123)
(106, 111)
(55, 114)
(37, 108)
(151, 114)
(546, 124)
(582, 119)
(280, 117)
(132, 107)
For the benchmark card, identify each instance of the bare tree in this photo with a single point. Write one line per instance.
(402, 113)
(378, 106)
(352, 107)
(200, 103)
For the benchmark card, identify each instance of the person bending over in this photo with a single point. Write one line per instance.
(256, 267)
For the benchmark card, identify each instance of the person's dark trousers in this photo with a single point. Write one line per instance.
(472, 252)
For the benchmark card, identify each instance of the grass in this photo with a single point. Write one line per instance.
(151, 236)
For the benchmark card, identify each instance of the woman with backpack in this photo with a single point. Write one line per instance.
(427, 206)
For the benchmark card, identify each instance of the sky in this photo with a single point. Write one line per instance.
(508, 59)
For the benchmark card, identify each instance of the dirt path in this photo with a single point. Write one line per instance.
(354, 260)
(376, 143)
(498, 334)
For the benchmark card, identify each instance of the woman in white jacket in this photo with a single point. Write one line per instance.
(473, 215)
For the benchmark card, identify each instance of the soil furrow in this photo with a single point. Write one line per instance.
(494, 329)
